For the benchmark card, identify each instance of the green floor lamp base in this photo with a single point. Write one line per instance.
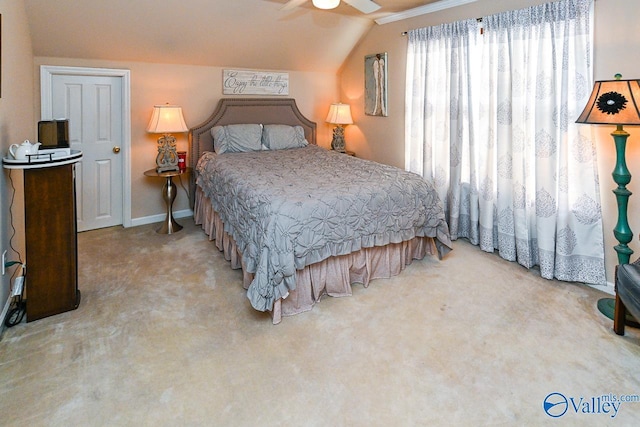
(607, 306)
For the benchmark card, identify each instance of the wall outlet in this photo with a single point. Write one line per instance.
(4, 259)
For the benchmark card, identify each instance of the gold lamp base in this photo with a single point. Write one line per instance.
(337, 143)
(167, 158)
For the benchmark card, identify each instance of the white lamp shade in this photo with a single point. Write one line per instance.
(326, 4)
(339, 114)
(167, 119)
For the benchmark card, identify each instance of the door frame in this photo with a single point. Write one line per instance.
(46, 76)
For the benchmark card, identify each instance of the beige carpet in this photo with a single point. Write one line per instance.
(165, 336)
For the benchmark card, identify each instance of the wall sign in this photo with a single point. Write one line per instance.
(248, 82)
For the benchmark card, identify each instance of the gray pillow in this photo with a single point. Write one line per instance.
(237, 138)
(280, 137)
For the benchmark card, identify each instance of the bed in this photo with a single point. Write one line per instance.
(301, 221)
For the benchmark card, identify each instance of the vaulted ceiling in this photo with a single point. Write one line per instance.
(239, 33)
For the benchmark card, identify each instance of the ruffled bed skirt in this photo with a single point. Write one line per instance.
(332, 277)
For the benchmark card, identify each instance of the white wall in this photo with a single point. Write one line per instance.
(197, 90)
(16, 122)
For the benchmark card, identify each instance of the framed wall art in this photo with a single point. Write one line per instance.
(375, 84)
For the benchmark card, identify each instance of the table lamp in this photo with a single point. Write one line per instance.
(340, 115)
(615, 102)
(167, 119)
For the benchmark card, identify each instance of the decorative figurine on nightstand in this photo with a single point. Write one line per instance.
(340, 115)
(167, 119)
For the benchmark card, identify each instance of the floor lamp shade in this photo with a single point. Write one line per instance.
(613, 102)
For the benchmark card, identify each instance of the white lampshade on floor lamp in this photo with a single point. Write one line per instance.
(167, 119)
(340, 115)
(616, 102)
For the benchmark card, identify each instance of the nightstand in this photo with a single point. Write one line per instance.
(169, 195)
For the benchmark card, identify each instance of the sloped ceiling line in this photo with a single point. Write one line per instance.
(422, 10)
(206, 32)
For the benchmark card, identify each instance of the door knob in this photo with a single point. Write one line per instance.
(116, 149)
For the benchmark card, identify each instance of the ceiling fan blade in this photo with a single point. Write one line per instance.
(292, 4)
(364, 6)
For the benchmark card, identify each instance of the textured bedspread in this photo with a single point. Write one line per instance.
(287, 209)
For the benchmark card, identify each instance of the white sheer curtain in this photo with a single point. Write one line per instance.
(490, 119)
(440, 119)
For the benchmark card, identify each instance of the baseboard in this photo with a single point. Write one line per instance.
(5, 310)
(160, 217)
(608, 288)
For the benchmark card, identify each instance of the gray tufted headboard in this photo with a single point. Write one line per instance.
(244, 110)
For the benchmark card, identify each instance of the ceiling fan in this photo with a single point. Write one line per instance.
(364, 6)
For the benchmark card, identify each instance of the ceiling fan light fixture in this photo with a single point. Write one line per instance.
(326, 4)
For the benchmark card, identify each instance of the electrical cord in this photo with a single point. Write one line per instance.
(13, 228)
(16, 313)
(183, 187)
(18, 306)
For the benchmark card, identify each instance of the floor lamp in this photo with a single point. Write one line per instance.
(616, 102)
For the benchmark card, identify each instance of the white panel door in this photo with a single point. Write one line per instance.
(93, 106)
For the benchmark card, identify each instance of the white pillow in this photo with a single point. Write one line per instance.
(280, 137)
(237, 138)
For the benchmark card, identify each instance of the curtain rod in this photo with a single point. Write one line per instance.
(404, 33)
